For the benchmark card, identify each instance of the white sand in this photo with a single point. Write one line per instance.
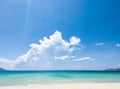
(68, 86)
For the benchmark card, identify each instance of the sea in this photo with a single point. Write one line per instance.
(17, 78)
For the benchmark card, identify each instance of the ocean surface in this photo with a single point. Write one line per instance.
(14, 78)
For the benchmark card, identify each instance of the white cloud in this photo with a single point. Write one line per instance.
(64, 57)
(47, 51)
(74, 40)
(83, 58)
(49, 47)
(61, 57)
(99, 44)
(5, 63)
(118, 65)
(118, 45)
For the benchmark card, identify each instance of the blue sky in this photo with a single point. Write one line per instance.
(92, 25)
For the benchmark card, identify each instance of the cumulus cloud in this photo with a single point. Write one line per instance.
(118, 45)
(74, 40)
(49, 47)
(99, 44)
(46, 52)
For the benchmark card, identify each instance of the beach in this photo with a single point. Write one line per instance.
(68, 86)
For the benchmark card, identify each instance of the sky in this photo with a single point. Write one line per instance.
(59, 34)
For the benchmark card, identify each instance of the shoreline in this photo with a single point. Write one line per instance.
(66, 86)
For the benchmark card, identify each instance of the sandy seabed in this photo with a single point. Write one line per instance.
(68, 86)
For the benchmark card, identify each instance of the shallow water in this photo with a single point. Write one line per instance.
(10, 78)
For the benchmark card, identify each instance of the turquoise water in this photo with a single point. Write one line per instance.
(11, 78)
